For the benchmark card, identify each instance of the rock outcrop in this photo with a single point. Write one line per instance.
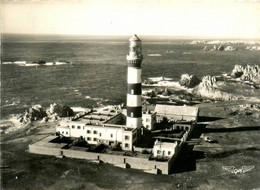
(32, 114)
(189, 81)
(237, 72)
(60, 110)
(221, 48)
(208, 89)
(248, 73)
(253, 48)
(230, 48)
(37, 112)
(251, 73)
(166, 92)
(206, 48)
(158, 91)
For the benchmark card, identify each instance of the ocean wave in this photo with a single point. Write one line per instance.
(7, 63)
(172, 84)
(157, 79)
(170, 51)
(20, 62)
(32, 64)
(154, 54)
(88, 97)
(49, 63)
(14, 103)
(97, 99)
(60, 63)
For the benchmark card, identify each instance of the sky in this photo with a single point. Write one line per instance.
(199, 18)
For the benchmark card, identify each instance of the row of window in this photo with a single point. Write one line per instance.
(62, 132)
(182, 127)
(94, 132)
(78, 127)
(95, 139)
(100, 134)
(90, 139)
(163, 152)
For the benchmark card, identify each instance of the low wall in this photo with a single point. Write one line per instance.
(133, 162)
(44, 150)
(139, 149)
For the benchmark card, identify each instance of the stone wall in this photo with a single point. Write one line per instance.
(44, 150)
(133, 162)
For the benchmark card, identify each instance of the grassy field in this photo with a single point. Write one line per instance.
(234, 125)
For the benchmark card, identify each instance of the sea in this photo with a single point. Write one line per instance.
(96, 70)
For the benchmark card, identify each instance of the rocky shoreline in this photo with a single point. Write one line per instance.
(190, 89)
(35, 113)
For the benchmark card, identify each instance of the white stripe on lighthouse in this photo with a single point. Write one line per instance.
(134, 75)
(133, 100)
(133, 122)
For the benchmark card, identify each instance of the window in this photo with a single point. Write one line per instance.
(73, 126)
(88, 138)
(158, 152)
(147, 119)
(126, 145)
(62, 132)
(88, 131)
(100, 134)
(169, 152)
(95, 132)
(95, 139)
(111, 135)
(66, 133)
(126, 137)
(78, 127)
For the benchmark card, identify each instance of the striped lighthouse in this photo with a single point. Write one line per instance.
(134, 83)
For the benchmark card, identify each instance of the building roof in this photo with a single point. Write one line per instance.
(161, 109)
(168, 145)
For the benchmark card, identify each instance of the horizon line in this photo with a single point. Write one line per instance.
(144, 35)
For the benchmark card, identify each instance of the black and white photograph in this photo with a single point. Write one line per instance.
(130, 94)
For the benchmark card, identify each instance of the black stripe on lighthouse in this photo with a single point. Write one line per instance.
(134, 89)
(134, 63)
(134, 112)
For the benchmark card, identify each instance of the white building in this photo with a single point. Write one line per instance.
(100, 127)
(164, 149)
(149, 120)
